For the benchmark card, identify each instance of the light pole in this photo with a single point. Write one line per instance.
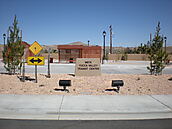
(104, 35)
(165, 44)
(88, 42)
(4, 36)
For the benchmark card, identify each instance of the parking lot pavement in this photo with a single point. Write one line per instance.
(127, 67)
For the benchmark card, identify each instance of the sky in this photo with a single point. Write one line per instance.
(54, 22)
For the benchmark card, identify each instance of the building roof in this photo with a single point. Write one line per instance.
(25, 44)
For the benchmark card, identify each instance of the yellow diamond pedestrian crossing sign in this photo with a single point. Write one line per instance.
(35, 60)
(35, 48)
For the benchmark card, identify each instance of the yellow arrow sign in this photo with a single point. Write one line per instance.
(35, 48)
(35, 60)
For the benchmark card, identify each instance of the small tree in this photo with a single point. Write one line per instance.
(157, 55)
(14, 50)
(142, 49)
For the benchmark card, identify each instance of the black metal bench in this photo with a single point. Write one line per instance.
(118, 84)
(65, 83)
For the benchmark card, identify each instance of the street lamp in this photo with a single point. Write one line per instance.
(4, 36)
(104, 35)
(88, 42)
(165, 44)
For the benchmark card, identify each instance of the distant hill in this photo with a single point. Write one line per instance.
(169, 49)
(53, 48)
(49, 46)
(77, 43)
(116, 49)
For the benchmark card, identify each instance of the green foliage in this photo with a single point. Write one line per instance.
(106, 56)
(14, 50)
(45, 51)
(128, 51)
(54, 51)
(124, 57)
(157, 54)
(142, 49)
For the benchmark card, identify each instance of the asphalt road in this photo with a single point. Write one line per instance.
(129, 67)
(86, 124)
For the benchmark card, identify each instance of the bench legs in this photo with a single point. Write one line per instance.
(64, 89)
(118, 88)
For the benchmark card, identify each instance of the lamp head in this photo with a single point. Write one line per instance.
(4, 35)
(104, 33)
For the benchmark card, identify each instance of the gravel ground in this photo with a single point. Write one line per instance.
(92, 85)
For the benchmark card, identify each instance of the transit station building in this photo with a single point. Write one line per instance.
(69, 53)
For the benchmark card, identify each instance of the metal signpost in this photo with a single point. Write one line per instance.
(48, 63)
(23, 75)
(35, 48)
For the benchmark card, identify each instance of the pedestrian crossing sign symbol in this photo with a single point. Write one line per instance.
(35, 48)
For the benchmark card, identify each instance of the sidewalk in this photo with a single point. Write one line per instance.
(85, 107)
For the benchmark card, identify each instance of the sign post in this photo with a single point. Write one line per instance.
(36, 79)
(23, 70)
(23, 74)
(48, 63)
(35, 48)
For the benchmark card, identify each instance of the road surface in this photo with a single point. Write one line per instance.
(86, 124)
(127, 67)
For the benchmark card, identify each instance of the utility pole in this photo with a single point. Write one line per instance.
(150, 38)
(110, 27)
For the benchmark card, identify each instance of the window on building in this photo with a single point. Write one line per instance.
(68, 51)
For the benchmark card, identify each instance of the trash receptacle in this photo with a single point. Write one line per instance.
(51, 60)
